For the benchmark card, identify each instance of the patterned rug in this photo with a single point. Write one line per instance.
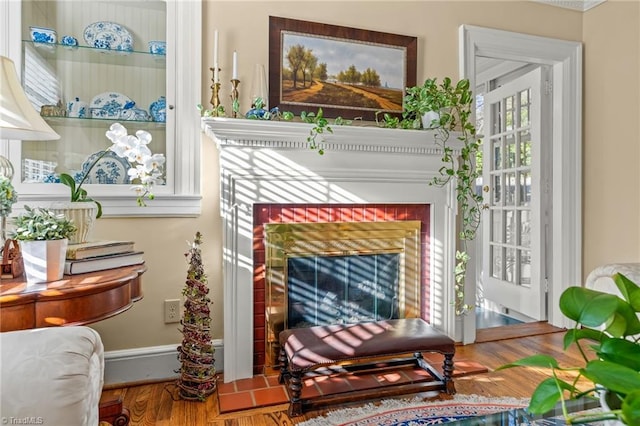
(417, 411)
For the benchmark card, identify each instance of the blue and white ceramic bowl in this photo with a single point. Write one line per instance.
(69, 41)
(158, 47)
(158, 110)
(43, 35)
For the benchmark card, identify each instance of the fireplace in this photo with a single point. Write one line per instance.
(320, 273)
(268, 175)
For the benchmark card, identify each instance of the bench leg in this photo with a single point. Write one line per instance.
(448, 374)
(284, 367)
(295, 391)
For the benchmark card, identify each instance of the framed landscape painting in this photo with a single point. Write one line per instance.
(347, 72)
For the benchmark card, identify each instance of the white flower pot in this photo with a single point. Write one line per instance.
(82, 214)
(427, 119)
(43, 260)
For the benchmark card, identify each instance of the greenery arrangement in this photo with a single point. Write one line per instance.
(37, 224)
(146, 168)
(8, 196)
(259, 112)
(610, 326)
(196, 353)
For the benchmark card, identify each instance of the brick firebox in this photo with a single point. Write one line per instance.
(314, 213)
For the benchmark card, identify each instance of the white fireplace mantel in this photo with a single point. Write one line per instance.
(270, 162)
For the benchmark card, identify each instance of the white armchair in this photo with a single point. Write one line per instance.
(51, 376)
(600, 278)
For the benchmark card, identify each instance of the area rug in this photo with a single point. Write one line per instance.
(417, 411)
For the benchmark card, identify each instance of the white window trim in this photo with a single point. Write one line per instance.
(184, 200)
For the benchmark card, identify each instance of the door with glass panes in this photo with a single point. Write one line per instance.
(513, 266)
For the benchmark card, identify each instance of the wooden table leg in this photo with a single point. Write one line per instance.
(113, 412)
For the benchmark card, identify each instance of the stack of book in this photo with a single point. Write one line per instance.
(99, 255)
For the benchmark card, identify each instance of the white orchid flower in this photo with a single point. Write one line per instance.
(116, 131)
(153, 162)
(143, 136)
(145, 171)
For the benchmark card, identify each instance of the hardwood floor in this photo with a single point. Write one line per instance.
(153, 404)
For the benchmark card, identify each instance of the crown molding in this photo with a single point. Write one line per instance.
(580, 5)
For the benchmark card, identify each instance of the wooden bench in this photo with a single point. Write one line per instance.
(358, 348)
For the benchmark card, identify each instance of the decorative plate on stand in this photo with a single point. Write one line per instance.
(108, 105)
(108, 35)
(110, 169)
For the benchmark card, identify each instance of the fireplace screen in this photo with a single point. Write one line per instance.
(339, 272)
(325, 290)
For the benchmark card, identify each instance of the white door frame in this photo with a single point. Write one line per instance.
(565, 59)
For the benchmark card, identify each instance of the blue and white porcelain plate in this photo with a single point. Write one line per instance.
(108, 35)
(108, 105)
(110, 169)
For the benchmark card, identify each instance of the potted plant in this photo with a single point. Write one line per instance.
(145, 171)
(43, 236)
(422, 105)
(453, 106)
(450, 106)
(610, 326)
(8, 197)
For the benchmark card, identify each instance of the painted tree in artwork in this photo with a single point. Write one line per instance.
(196, 353)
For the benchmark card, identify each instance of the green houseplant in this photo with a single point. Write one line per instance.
(423, 105)
(610, 326)
(43, 236)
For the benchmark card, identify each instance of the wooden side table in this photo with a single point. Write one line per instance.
(74, 300)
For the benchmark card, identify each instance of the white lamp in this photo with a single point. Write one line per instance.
(18, 118)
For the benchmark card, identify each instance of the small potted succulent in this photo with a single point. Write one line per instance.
(609, 325)
(43, 237)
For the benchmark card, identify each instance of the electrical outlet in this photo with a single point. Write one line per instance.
(171, 311)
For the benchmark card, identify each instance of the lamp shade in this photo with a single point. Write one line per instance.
(18, 118)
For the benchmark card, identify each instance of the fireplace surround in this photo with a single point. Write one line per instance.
(265, 162)
(342, 272)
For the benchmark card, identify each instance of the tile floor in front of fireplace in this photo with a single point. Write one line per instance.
(261, 390)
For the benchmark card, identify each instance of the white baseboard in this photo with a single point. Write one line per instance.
(150, 363)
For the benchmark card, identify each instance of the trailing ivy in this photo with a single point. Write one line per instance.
(456, 103)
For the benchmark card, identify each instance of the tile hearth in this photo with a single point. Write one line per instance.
(264, 390)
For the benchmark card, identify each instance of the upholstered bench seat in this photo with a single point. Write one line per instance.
(362, 347)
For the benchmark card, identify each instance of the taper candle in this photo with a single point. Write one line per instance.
(235, 66)
(215, 48)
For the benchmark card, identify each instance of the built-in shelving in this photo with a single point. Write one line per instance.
(98, 56)
(103, 123)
